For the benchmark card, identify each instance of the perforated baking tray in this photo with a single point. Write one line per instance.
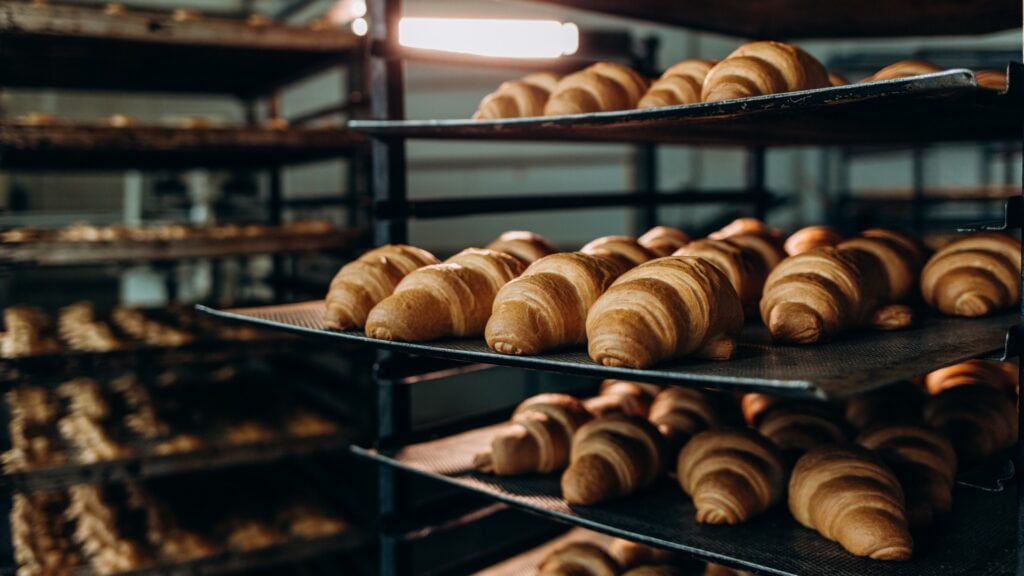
(851, 365)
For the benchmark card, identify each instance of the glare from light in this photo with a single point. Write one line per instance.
(358, 8)
(496, 38)
(344, 11)
(360, 26)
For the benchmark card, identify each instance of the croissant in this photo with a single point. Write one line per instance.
(978, 420)
(812, 237)
(537, 439)
(663, 240)
(837, 79)
(719, 570)
(991, 79)
(518, 98)
(612, 456)
(745, 268)
(767, 247)
(924, 462)
(656, 570)
(546, 307)
(747, 227)
(849, 496)
(651, 390)
(760, 68)
(629, 555)
(624, 246)
(899, 256)
(680, 84)
(679, 413)
(797, 427)
(731, 474)
(620, 397)
(903, 69)
(755, 404)
(976, 276)
(453, 298)
(668, 308)
(361, 284)
(578, 559)
(601, 87)
(892, 404)
(526, 246)
(1002, 376)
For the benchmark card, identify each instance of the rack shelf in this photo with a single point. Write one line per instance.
(79, 146)
(945, 106)
(978, 536)
(68, 46)
(854, 364)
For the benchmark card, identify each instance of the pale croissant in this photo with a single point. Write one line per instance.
(628, 554)
(451, 299)
(848, 495)
(602, 87)
(976, 276)
(667, 308)
(611, 457)
(680, 84)
(903, 69)
(746, 268)
(620, 397)
(518, 98)
(624, 246)
(537, 439)
(680, 413)
(1002, 376)
(811, 237)
(526, 246)
(731, 474)
(761, 68)
(663, 240)
(980, 421)
(362, 284)
(578, 559)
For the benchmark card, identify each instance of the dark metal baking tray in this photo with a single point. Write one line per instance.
(851, 365)
(945, 106)
(977, 537)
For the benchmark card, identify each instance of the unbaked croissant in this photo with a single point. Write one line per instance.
(760, 68)
(628, 554)
(731, 474)
(980, 421)
(745, 267)
(620, 397)
(797, 427)
(663, 240)
(578, 559)
(811, 237)
(899, 402)
(991, 79)
(848, 495)
(518, 98)
(361, 284)
(667, 308)
(680, 84)
(601, 87)
(1002, 376)
(453, 298)
(924, 462)
(679, 413)
(526, 246)
(975, 276)
(612, 456)
(903, 69)
(538, 438)
(624, 246)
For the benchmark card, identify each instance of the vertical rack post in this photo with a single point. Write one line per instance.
(756, 181)
(646, 155)
(917, 202)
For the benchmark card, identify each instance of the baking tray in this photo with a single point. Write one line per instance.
(854, 364)
(945, 106)
(977, 537)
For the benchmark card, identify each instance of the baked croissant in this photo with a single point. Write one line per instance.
(623, 246)
(899, 256)
(903, 69)
(991, 79)
(731, 474)
(1002, 376)
(362, 284)
(628, 554)
(812, 237)
(924, 462)
(538, 438)
(663, 240)
(719, 570)
(680, 84)
(612, 456)
(760, 68)
(976, 276)
(518, 98)
(747, 226)
(526, 246)
(767, 247)
(453, 298)
(679, 413)
(978, 420)
(620, 397)
(578, 559)
(601, 87)
(656, 570)
(849, 496)
(837, 79)
(668, 308)
(888, 405)
(546, 307)
(651, 390)
(745, 268)
(797, 427)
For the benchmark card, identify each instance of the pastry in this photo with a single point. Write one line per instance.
(663, 240)
(601, 87)
(980, 421)
(761, 68)
(897, 403)
(745, 268)
(628, 554)
(680, 84)
(747, 226)
(613, 456)
(518, 98)
(526, 246)
(837, 79)
(578, 559)
(975, 276)
(903, 69)
(811, 237)
(680, 413)
(991, 79)
(620, 397)
(897, 255)
(796, 427)
(624, 246)
(1001, 376)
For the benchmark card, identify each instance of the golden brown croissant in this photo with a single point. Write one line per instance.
(760, 68)
(629, 555)
(601, 87)
(538, 438)
(903, 69)
(1002, 376)
(747, 226)
(679, 413)
(546, 307)
(651, 390)
(837, 79)
(991, 79)
(848, 495)
(897, 255)
(797, 427)
(612, 456)
(888, 405)
(624, 246)
(526, 246)
(655, 570)
(811, 237)
(578, 559)
(976, 276)
(620, 397)
(745, 268)
(668, 308)
(362, 284)
(767, 247)
(731, 474)
(680, 84)
(663, 240)
(453, 298)
(719, 570)
(924, 462)
(518, 98)
(980, 421)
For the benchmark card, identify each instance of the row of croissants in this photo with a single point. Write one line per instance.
(585, 555)
(753, 69)
(636, 302)
(864, 473)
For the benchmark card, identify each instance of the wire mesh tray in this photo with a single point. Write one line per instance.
(977, 537)
(852, 365)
